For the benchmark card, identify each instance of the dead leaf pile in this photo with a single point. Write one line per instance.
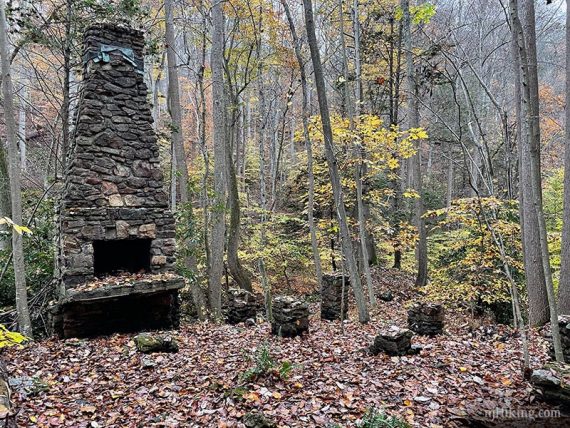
(104, 382)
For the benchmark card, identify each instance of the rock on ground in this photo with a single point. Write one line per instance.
(148, 343)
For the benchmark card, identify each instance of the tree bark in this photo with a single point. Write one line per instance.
(174, 106)
(203, 143)
(66, 103)
(348, 250)
(538, 311)
(564, 283)
(22, 124)
(352, 110)
(527, 56)
(449, 190)
(5, 200)
(219, 136)
(237, 271)
(24, 322)
(308, 146)
(415, 170)
(179, 151)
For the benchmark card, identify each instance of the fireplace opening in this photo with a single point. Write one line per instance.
(121, 256)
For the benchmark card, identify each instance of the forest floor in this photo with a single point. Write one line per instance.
(103, 383)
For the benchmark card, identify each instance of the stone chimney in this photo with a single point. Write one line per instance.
(114, 222)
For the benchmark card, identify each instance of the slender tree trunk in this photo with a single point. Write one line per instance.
(23, 312)
(348, 250)
(564, 283)
(174, 106)
(526, 46)
(398, 183)
(203, 142)
(449, 194)
(66, 103)
(535, 283)
(179, 151)
(5, 200)
(415, 170)
(353, 109)
(308, 146)
(237, 271)
(22, 125)
(262, 124)
(219, 135)
(262, 120)
(155, 92)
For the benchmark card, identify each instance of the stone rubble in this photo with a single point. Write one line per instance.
(290, 317)
(564, 328)
(332, 300)
(394, 341)
(552, 383)
(240, 306)
(426, 319)
(148, 343)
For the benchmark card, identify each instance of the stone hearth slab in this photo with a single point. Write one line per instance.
(112, 290)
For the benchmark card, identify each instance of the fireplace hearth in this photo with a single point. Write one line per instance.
(116, 249)
(117, 256)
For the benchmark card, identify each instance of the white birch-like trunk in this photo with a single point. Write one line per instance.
(23, 312)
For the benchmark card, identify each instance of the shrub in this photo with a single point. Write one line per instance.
(38, 248)
(466, 262)
(265, 365)
(374, 418)
(9, 338)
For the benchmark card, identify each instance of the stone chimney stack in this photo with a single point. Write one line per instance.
(114, 219)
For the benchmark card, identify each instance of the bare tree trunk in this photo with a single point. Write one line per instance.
(155, 93)
(415, 170)
(174, 106)
(535, 276)
(179, 152)
(262, 124)
(398, 184)
(219, 136)
(535, 282)
(564, 283)
(527, 56)
(237, 271)
(24, 322)
(308, 146)
(449, 194)
(5, 200)
(66, 103)
(353, 109)
(22, 124)
(203, 144)
(348, 250)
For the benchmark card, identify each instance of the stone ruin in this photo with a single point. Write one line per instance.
(240, 306)
(394, 341)
(551, 384)
(426, 319)
(290, 317)
(116, 246)
(564, 328)
(332, 301)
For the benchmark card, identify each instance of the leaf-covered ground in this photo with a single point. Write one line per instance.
(104, 383)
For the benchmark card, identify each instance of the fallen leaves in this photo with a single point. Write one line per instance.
(104, 382)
